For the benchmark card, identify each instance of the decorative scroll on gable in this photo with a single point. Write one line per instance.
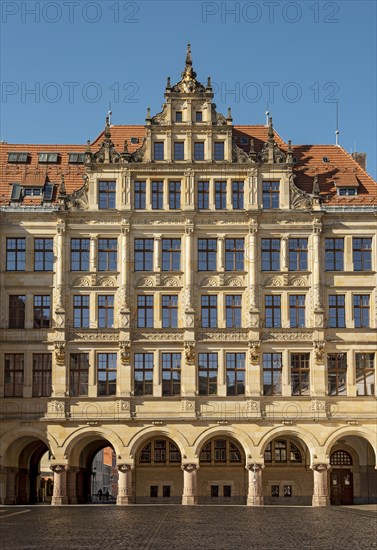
(160, 118)
(78, 200)
(138, 155)
(299, 199)
(271, 154)
(106, 154)
(240, 156)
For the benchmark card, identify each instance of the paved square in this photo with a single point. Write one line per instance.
(177, 527)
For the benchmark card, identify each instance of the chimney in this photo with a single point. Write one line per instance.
(361, 159)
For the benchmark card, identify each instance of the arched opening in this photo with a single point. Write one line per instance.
(353, 478)
(222, 477)
(158, 473)
(95, 480)
(23, 468)
(287, 477)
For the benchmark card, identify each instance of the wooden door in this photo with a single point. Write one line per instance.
(341, 487)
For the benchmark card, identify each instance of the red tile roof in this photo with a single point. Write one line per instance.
(341, 170)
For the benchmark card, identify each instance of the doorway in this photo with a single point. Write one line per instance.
(341, 487)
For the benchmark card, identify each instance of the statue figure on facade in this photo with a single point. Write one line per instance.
(254, 353)
(189, 354)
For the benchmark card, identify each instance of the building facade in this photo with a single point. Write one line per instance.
(197, 295)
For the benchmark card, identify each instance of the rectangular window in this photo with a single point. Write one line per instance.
(105, 306)
(80, 252)
(143, 374)
(365, 376)
(157, 195)
(362, 254)
(42, 374)
(78, 374)
(171, 254)
(51, 158)
(235, 374)
(174, 195)
(107, 254)
(76, 158)
(171, 374)
(140, 190)
(209, 311)
(199, 150)
(153, 491)
(334, 254)
(233, 311)
(298, 254)
(220, 195)
(300, 369)
(179, 150)
(198, 116)
(16, 254)
(270, 254)
(143, 254)
(43, 254)
(218, 150)
(166, 491)
(272, 373)
(169, 311)
(234, 254)
(207, 250)
(107, 374)
(297, 311)
(13, 374)
(145, 311)
(361, 310)
(273, 311)
(237, 195)
(41, 312)
(207, 372)
(158, 150)
(81, 311)
(270, 194)
(337, 373)
(214, 491)
(178, 116)
(337, 311)
(17, 311)
(19, 158)
(203, 195)
(106, 194)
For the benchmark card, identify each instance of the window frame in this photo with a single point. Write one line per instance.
(209, 311)
(361, 310)
(171, 256)
(233, 310)
(174, 195)
(300, 374)
(207, 384)
(297, 310)
(274, 373)
(42, 387)
(78, 374)
(40, 321)
(106, 194)
(157, 194)
(220, 188)
(334, 254)
(140, 195)
(43, 255)
(337, 311)
(203, 195)
(145, 310)
(17, 312)
(238, 198)
(219, 150)
(81, 310)
(143, 254)
(270, 255)
(238, 370)
(169, 310)
(105, 310)
(298, 256)
(14, 370)
(158, 150)
(207, 254)
(364, 251)
(19, 252)
(171, 374)
(142, 365)
(199, 150)
(107, 376)
(80, 254)
(365, 367)
(107, 254)
(235, 254)
(272, 310)
(271, 194)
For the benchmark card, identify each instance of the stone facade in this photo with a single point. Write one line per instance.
(193, 323)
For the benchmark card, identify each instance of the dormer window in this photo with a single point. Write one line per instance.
(76, 158)
(198, 116)
(18, 158)
(325, 159)
(347, 191)
(158, 150)
(178, 116)
(48, 158)
(244, 141)
(33, 192)
(134, 140)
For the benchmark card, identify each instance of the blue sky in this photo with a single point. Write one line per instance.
(64, 61)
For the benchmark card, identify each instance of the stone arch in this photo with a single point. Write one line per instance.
(13, 443)
(309, 439)
(240, 437)
(79, 439)
(344, 432)
(142, 437)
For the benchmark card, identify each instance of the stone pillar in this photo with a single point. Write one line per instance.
(10, 495)
(59, 496)
(321, 492)
(157, 253)
(71, 484)
(190, 490)
(59, 264)
(317, 275)
(284, 253)
(253, 275)
(254, 495)
(220, 253)
(125, 492)
(93, 253)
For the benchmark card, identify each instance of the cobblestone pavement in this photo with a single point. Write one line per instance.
(197, 528)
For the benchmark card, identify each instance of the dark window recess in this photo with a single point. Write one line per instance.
(134, 140)
(214, 491)
(153, 491)
(325, 159)
(16, 192)
(166, 491)
(18, 158)
(76, 158)
(49, 158)
(244, 141)
(48, 192)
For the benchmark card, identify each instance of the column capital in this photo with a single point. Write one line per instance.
(254, 467)
(321, 467)
(125, 467)
(59, 468)
(190, 467)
